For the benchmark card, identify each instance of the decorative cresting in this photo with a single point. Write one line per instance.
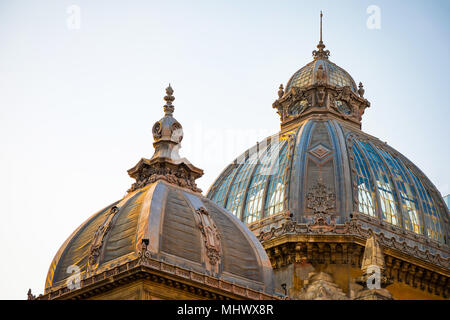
(211, 239)
(166, 163)
(99, 237)
(321, 87)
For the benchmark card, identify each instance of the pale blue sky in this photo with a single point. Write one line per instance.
(77, 106)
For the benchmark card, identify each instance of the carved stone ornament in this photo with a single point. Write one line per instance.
(99, 236)
(30, 296)
(159, 171)
(321, 286)
(320, 200)
(211, 238)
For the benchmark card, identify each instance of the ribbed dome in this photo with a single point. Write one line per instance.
(165, 218)
(332, 74)
(169, 217)
(360, 174)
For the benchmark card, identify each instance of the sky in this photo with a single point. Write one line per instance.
(82, 83)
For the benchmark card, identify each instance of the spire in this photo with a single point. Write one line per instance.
(321, 53)
(167, 132)
(169, 98)
(321, 15)
(166, 163)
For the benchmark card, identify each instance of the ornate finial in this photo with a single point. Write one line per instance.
(361, 90)
(281, 91)
(166, 163)
(30, 295)
(169, 98)
(321, 54)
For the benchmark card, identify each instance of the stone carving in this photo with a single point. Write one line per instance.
(373, 255)
(211, 238)
(169, 98)
(373, 258)
(361, 90)
(30, 296)
(281, 91)
(321, 76)
(99, 236)
(159, 171)
(320, 200)
(321, 286)
(166, 164)
(144, 255)
(156, 130)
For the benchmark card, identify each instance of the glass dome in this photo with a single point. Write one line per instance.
(367, 176)
(335, 75)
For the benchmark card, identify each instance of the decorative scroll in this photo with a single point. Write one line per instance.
(99, 236)
(211, 238)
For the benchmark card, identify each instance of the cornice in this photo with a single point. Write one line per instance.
(145, 267)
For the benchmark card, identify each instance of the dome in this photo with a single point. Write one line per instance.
(361, 174)
(174, 221)
(164, 218)
(321, 190)
(309, 74)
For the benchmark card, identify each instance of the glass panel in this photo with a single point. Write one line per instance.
(433, 227)
(303, 78)
(411, 221)
(275, 194)
(389, 210)
(223, 187)
(254, 203)
(338, 77)
(234, 203)
(366, 192)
